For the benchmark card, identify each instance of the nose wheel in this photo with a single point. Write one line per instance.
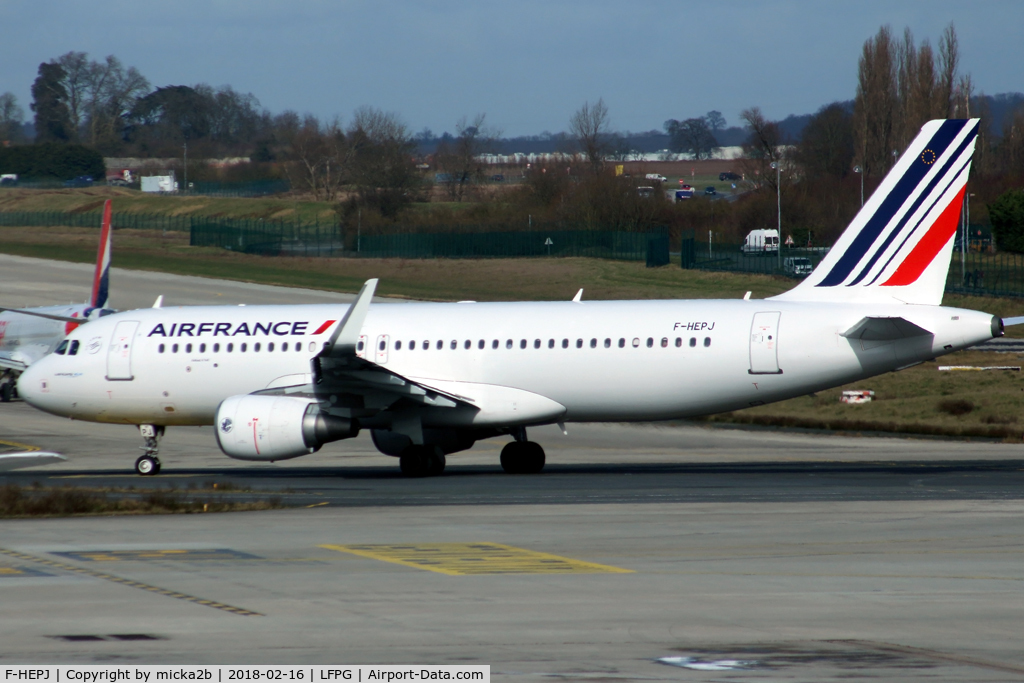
(148, 463)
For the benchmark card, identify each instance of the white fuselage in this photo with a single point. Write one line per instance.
(601, 361)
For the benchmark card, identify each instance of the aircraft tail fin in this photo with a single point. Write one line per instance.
(101, 279)
(898, 247)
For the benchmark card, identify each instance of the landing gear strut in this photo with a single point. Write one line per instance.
(8, 388)
(522, 456)
(422, 461)
(148, 463)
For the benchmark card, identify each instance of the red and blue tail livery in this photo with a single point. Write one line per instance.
(101, 279)
(898, 246)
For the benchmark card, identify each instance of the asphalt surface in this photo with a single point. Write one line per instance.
(777, 555)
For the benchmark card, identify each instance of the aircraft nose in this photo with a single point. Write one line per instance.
(33, 383)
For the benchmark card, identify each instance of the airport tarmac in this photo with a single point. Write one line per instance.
(755, 554)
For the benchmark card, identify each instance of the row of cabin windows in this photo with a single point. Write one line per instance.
(537, 343)
(229, 347)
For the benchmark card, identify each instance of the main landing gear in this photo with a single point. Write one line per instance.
(522, 456)
(421, 461)
(148, 463)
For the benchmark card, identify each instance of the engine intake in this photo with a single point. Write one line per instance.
(268, 428)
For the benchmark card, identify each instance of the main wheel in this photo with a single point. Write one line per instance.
(522, 457)
(415, 462)
(435, 462)
(147, 465)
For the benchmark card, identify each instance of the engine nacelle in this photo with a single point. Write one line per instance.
(276, 427)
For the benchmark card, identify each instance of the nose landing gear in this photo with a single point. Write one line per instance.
(148, 463)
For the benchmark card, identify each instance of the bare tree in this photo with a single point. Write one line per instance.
(589, 127)
(875, 103)
(112, 92)
(76, 83)
(763, 146)
(949, 62)
(320, 158)
(382, 160)
(459, 158)
(715, 121)
(11, 117)
(692, 136)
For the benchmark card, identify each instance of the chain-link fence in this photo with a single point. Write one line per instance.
(333, 240)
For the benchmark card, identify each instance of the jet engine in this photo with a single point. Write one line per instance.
(276, 427)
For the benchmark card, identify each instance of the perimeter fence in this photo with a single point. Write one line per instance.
(284, 239)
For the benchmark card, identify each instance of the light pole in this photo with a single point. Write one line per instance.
(184, 164)
(860, 171)
(778, 198)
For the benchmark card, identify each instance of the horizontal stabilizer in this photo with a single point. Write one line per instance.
(15, 461)
(884, 329)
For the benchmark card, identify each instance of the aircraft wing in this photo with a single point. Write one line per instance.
(350, 386)
(8, 362)
(48, 316)
(14, 461)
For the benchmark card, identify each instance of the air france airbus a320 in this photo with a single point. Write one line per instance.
(429, 379)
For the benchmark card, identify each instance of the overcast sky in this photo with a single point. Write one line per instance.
(527, 63)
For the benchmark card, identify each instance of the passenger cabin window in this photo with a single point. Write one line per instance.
(202, 348)
(565, 343)
(62, 348)
(636, 342)
(188, 348)
(412, 346)
(536, 343)
(160, 349)
(650, 342)
(481, 344)
(693, 342)
(231, 347)
(579, 343)
(679, 342)
(468, 345)
(216, 348)
(284, 346)
(398, 346)
(707, 341)
(440, 344)
(455, 345)
(270, 346)
(508, 344)
(242, 347)
(593, 343)
(607, 343)
(256, 346)
(494, 344)
(174, 348)
(522, 343)
(551, 343)
(622, 342)
(664, 342)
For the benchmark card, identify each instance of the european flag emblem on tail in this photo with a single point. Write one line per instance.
(898, 247)
(101, 279)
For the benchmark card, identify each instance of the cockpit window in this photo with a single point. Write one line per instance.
(62, 349)
(73, 351)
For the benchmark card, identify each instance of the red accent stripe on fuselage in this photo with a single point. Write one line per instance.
(323, 328)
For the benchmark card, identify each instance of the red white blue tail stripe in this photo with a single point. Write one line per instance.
(898, 245)
(101, 279)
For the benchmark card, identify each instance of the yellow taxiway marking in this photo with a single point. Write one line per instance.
(130, 583)
(464, 559)
(10, 571)
(144, 555)
(316, 505)
(21, 446)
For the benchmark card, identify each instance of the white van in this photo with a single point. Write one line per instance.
(761, 242)
(657, 176)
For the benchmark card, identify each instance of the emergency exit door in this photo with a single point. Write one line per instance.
(119, 355)
(764, 344)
